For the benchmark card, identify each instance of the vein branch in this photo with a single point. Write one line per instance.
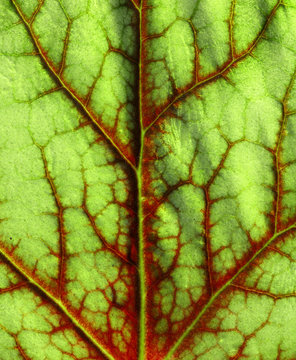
(135, 5)
(261, 292)
(61, 228)
(91, 219)
(14, 287)
(19, 348)
(231, 26)
(66, 43)
(278, 151)
(36, 11)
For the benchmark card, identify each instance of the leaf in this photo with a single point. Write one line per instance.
(147, 179)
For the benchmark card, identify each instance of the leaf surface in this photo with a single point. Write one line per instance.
(147, 179)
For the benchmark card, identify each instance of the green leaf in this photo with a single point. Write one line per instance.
(147, 179)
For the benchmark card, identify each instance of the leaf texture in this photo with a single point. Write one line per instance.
(147, 179)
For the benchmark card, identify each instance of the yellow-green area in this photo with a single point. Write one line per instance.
(215, 171)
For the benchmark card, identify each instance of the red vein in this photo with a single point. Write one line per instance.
(207, 223)
(196, 58)
(278, 149)
(272, 248)
(290, 113)
(14, 287)
(240, 351)
(100, 236)
(124, 54)
(20, 349)
(262, 292)
(231, 25)
(66, 43)
(17, 343)
(165, 196)
(44, 93)
(92, 87)
(61, 228)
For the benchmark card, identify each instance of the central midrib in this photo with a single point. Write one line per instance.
(139, 174)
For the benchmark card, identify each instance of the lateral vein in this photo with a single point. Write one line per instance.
(223, 288)
(221, 72)
(74, 97)
(57, 302)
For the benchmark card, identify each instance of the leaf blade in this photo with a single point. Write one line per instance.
(151, 258)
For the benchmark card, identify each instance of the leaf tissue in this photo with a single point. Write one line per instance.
(147, 179)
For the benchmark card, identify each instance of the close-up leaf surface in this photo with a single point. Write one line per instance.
(147, 179)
